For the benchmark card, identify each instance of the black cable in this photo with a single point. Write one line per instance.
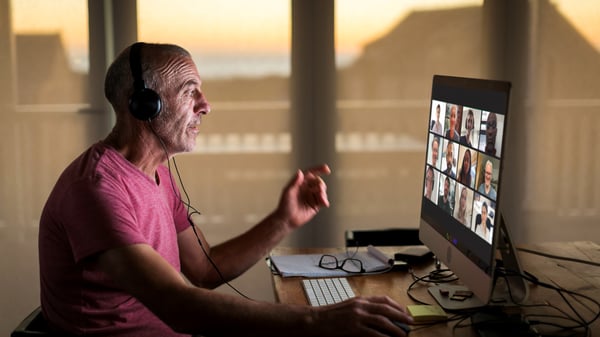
(580, 320)
(558, 257)
(187, 201)
(189, 206)
(214, 264)
(427, 325)
(577, 322)
(435, 276)
(459, 326)
(571, 293)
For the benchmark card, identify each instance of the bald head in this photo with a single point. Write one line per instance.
(118, 84)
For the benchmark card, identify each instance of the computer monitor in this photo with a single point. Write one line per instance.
(461, 219)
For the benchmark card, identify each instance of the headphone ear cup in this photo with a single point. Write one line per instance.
(145, 104)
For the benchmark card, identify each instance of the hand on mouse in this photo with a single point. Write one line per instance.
(364, 317)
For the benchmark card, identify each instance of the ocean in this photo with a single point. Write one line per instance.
(226, 65)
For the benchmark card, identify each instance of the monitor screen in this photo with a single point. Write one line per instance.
(462, 175)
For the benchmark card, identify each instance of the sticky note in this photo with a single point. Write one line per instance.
(426, 313)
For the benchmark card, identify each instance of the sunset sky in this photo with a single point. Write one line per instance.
(247, 26)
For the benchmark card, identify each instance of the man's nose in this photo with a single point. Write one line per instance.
(202, 106)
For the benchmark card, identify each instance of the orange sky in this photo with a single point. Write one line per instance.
(247, 25)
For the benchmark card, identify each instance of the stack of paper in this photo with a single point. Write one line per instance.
(307, 265)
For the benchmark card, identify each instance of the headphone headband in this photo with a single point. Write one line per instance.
(144, 103)
(135, 62)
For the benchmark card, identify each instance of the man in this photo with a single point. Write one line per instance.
(450, 171)
(429, 180)
(435, 150)
(436, 126)
(486, 187)
(491, 129)
(116, 240)
(444, 199)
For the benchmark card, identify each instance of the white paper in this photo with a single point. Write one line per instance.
(307, 265)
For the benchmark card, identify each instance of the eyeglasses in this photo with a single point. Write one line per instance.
(349, 265)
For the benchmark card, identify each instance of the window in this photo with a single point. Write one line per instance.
(51, 49)
(549, 51)
(384, 85)
(47, 57)
(242, 156)
(385, 68)
(43, 88)
(560, 170)
(242, 53)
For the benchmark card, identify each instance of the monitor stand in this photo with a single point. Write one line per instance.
(512, 287)
(508, 290)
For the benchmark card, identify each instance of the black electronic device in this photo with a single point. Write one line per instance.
(144, 103)
(500, 324)
(414, 254)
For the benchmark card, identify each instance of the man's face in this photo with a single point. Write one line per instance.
(435, 150)
(449, 158)
(429, 182)
(446, 187)
(488, 174)
(183, 106)
(483, 215)
(491, 130)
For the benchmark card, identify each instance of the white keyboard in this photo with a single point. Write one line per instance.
(324, 291)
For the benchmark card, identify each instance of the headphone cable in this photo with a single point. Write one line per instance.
(189, 206)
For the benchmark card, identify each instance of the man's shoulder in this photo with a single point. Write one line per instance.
(94, 165)
(84, 163)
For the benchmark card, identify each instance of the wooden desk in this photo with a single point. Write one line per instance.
(578, 277)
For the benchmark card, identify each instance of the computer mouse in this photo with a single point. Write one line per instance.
(402, 326)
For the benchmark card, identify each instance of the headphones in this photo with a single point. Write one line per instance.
(145, 103)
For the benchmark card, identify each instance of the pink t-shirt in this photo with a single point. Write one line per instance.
(100, 202)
